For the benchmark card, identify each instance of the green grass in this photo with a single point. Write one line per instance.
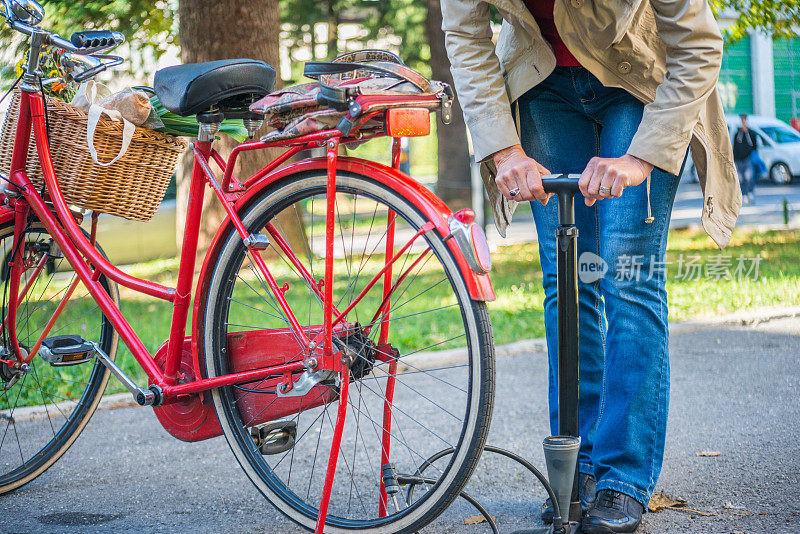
(517, 313)
(516, 276)
(774, 284)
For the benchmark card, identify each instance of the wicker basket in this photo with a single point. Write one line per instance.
(132, 187)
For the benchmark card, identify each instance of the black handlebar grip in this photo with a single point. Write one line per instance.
(96, 39)
(565, 187)
(561, 183)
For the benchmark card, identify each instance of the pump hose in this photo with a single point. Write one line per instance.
(417, 478)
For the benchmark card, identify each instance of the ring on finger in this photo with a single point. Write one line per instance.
(514, 192)
(605, 190)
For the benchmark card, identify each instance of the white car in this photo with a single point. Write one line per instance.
(778, 147)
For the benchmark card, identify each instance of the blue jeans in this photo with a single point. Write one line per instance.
(623, 337)
(746, 171)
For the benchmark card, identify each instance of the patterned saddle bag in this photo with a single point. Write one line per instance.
(348, 93)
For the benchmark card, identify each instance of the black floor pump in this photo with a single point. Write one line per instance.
(561, 452)
(566, 187)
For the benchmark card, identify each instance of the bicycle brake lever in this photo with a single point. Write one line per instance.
(94, 71)
(85, 75)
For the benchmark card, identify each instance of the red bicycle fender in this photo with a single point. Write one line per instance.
(479, 286)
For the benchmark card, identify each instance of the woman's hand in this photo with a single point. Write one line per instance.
(608, 177)
(518, 173)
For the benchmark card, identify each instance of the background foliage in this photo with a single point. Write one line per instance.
(779, 17)
(149, 27)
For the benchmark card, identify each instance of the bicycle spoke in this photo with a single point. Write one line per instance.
(11, 418)
(421, 425)
(45, 401)
(347, 465)
(401, 439)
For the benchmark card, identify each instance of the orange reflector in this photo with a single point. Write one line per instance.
(408, 122)
(73, 357)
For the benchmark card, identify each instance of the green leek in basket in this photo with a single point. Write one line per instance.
(187, 126)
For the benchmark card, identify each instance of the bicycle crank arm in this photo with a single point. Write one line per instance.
(142, 396)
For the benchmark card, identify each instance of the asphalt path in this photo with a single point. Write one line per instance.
(767, 208)
(735, 390)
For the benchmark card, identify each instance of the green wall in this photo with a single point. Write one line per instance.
(735, 78)
(786, 60)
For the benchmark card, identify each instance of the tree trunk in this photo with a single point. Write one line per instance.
(333, 30)
(454, 182)
(226, 29)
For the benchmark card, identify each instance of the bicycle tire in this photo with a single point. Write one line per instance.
(211, 331)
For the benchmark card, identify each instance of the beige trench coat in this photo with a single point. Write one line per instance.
(666, 53)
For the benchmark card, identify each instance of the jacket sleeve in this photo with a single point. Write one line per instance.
(477, 76)
(693, 59)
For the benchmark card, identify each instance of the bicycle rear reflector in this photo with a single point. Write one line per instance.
(408, 122)
(471, 240)
(481, 247)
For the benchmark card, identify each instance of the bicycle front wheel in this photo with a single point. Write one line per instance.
(422, 379)
(43, 410)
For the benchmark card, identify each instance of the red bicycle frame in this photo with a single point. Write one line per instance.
(89, 264)
(65, 230)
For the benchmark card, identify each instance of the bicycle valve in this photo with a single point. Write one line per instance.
(390, 483)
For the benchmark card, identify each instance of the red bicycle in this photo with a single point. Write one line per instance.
(281, 335)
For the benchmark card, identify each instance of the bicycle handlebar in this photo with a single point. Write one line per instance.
(111, 40)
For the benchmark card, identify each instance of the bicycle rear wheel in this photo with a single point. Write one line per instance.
(438, 400)
(44, 410)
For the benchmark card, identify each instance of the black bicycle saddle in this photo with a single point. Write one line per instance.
(195, 87)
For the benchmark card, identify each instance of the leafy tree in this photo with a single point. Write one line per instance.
(419, 24)
(405, 19)
(781, 18)
(300, 20)
(303, 15)
(246, 28)
(148, 26)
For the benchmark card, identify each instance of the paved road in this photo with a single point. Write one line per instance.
(735, 390)
(767, 210)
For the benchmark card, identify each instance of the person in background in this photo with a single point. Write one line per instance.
(615, 91)
(744, 144)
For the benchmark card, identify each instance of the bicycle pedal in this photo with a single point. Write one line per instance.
(66, 350)
(274, 438)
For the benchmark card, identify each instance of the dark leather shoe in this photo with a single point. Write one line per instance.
(612, 512)
(586, 483)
